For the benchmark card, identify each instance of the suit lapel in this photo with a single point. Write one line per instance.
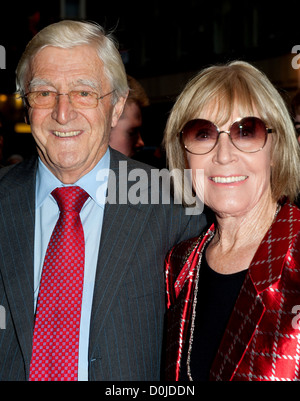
(17, 200)
(123, 225)
(264, 271)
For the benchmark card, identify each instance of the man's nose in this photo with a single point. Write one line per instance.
(63, 111)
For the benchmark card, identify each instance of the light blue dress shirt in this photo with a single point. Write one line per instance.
(47, 212)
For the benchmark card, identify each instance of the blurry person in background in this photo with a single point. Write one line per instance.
(126, 135)
(232, 291)
(295, 105)
(14, 159)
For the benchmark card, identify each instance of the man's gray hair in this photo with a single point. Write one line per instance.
(68, 34)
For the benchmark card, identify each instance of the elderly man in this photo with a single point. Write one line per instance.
(81, 279)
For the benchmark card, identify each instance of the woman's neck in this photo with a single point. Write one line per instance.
(238, 237)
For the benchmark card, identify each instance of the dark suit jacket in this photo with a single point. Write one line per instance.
(128, 305)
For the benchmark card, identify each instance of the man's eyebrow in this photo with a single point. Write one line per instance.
(88, 82)
(44, 82)
(39, 82)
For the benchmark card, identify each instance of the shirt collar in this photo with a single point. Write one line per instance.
(94, 182)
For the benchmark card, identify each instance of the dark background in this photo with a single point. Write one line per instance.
(163, 44)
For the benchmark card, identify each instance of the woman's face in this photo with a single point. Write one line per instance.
(234, 182)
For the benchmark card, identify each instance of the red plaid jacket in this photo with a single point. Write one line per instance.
(262, 338)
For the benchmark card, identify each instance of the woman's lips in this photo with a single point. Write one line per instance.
(228, 180)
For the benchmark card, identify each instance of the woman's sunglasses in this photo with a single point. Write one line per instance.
(248, 134)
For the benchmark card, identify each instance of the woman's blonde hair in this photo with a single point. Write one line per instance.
(67, 34)
(237, 84)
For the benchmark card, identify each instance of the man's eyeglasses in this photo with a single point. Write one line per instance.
(248, 134)
(48, 99)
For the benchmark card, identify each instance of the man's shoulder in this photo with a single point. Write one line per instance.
(119, 161)
(4, 170)
(17, 175)
(147, 185)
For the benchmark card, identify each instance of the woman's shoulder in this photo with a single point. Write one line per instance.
(289, 214)
(186, 251)
(179, 254)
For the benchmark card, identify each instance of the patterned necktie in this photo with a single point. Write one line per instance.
(57, 323)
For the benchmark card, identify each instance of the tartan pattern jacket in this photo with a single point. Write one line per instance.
(262, 338)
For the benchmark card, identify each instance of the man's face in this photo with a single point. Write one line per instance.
(125, 136)
(71, 140)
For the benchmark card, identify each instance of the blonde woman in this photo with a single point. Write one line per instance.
(233, 292)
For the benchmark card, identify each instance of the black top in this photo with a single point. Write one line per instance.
(217, 294)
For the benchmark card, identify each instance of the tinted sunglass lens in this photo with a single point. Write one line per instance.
(199, 136)
(249, 134)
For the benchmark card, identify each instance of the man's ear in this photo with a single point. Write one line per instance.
(118, 110)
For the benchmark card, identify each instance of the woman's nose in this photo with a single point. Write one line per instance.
(225, 152)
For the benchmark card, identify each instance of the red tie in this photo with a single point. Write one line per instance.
(57, 323)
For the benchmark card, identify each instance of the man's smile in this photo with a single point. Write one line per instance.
(66, 134)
